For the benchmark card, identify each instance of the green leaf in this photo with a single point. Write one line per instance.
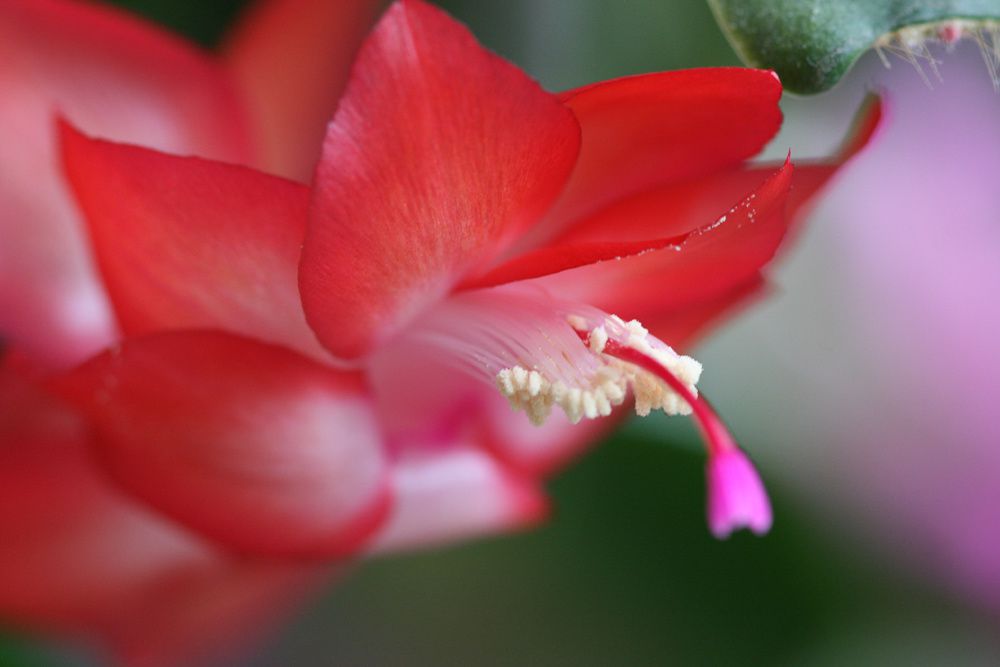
(812, 43)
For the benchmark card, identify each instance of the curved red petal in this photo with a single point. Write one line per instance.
(249, 444)
(560, 257)
(291, 58)
(712, 267)
(187, 243)
(439, 152)
(116, 77)
(664, 216)
(655, 129)
(723, 252)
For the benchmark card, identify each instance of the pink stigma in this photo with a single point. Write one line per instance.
(736, 495)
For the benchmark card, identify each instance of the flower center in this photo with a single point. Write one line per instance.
(542, 352)
(594, 393)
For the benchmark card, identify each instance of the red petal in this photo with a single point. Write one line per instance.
(655, 129)
(292, 58)
(439, 152)
(250, 444)
(188, 243)
(78, 558)
(555, 258)
(664, 216)
(712, 267)
(456, 494)
(114, 76)
(716, 258)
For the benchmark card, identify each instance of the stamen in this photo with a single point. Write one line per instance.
(736, 495)
(607, 386)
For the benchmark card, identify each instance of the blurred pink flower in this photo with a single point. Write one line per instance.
(924, 253)
(894, 377)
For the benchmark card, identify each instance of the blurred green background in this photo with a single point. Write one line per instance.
(625, 573)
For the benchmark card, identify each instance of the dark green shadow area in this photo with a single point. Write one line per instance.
(204, 21)
(17, 652)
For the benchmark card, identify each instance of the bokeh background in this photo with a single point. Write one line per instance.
(625, 573)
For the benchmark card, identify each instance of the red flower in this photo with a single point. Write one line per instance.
(315, 372)
(461, 219)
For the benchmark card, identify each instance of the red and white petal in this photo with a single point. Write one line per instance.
(456, 494)
(439, 153)
(656, 129)
(113, 76)
(72, 547)
(292, 58)
(251, 445)
(80, 559)
(187, 243)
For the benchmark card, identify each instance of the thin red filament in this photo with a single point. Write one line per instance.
(717, 437)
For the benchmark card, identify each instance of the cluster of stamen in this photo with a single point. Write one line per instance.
(530, 390)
